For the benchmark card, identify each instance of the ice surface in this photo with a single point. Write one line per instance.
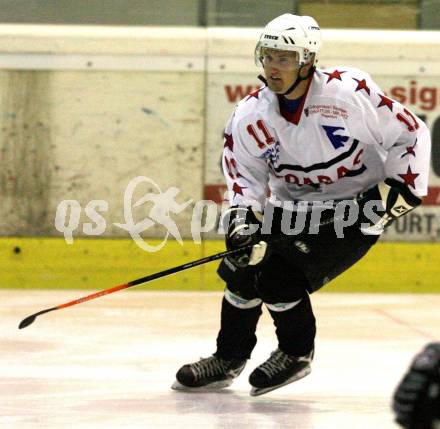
(109, 363)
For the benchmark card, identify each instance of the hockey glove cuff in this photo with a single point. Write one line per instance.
(382, 204)
(243, 227)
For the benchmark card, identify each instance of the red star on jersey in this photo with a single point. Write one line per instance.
(334, 75)
(254, 94)
(229, 142)
(362, 84)
(237, 189)
(409, 177)
(385, 101)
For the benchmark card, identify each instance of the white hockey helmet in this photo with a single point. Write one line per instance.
(300, 34)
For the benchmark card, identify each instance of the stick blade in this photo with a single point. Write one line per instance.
(30, 319)
(26, 322)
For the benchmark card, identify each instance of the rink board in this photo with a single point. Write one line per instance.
(41, 263)
(87, 110)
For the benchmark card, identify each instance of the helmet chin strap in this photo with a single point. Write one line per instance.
(262, 78)
(298, 80)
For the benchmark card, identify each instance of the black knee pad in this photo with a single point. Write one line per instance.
(240, 281)
(279, 281)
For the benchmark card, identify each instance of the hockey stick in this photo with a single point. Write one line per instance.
(30, 319)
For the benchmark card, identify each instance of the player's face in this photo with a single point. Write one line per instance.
(280, 68)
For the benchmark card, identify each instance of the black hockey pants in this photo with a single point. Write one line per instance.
(297, 266)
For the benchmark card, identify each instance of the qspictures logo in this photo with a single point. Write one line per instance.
(163, 208)
(206, 216)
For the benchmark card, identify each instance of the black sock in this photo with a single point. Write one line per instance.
(237, 338)
(295, 328)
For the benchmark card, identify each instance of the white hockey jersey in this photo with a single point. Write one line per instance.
(345, 137)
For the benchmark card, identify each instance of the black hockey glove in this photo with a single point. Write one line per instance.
(416, 401)
(381, 205)
(243, 229)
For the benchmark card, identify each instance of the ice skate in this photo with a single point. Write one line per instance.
(280, 369)
(208, 374)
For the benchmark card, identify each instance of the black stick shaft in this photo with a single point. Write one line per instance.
(30, 319)
(186, 266)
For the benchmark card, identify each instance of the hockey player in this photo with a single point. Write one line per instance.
(416, 401)
(308, 137)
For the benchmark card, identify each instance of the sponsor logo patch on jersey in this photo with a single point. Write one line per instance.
(327, 111)
(335, 139)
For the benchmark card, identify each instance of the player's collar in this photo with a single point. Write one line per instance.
(295, 117)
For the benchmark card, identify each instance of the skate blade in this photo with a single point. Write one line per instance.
(257, 391)
(209, 388)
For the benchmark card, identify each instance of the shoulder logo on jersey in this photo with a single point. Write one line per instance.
(335, 139)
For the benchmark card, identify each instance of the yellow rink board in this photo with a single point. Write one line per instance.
(97, 264)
